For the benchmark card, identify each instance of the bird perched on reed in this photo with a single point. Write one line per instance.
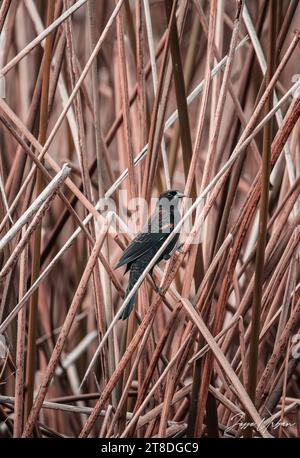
(146, 244)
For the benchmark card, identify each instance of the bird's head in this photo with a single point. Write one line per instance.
(171, 194)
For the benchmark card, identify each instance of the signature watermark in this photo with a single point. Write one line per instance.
(238, 422)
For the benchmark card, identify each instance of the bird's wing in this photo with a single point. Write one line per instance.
(140, 245)
(145, 240)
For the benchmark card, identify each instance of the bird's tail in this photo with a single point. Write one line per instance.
(135, 273)
(128, 309)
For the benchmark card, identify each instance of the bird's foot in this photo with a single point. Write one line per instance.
(159, 291)
(156, 287)
(179, 248)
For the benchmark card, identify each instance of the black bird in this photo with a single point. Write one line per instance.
(146, 244)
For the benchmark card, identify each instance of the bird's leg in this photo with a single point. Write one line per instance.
(179, 248)
(159, 291)
(156, 287)
(166, 257)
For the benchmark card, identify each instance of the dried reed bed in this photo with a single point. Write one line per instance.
(139, 96)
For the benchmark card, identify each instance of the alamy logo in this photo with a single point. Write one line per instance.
(3, 348)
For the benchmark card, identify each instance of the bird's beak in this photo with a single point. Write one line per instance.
(180, 195)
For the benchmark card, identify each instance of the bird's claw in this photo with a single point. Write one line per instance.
(156, 288)
(179, 248)
(159, 291)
